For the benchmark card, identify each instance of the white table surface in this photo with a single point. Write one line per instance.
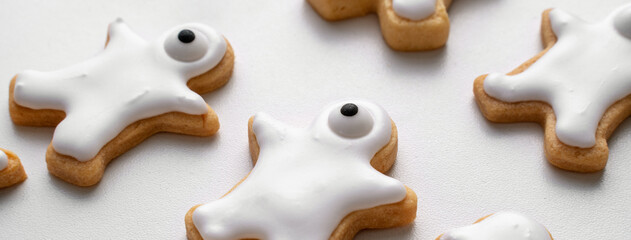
(289, 63)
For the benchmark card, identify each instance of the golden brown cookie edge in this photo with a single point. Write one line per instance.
(88, 173)
(399, 33)
(557, 153)
(383, 216)
(14, 172)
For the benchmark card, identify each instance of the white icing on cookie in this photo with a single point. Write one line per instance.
(587, 70)
(305, 181)
(130, 80)
(4, 160)
(501, 226)
(414, 9)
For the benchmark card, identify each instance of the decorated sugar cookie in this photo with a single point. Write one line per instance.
(134, 88)
(322, 182)
(500, 226)
(406, 25)
(577, 88)
(11, 169)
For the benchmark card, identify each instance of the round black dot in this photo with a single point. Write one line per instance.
(186, 36)
(349, 109)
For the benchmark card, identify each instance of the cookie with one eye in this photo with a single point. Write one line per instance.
(500, 226)
(132, 89)
(11, 169)
(577, 88)
(321, 182)
(406, 25)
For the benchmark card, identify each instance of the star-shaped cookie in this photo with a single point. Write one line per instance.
(11, 169)
(406, 25)
(134, 88)
(322, 182)
(577, 88)
(500, 226)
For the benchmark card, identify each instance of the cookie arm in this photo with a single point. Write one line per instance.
(515, 88)
(36, 90)
(560, 20)
(119, 33)
(267, 129)
(263, 130)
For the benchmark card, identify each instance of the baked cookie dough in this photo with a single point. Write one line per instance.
(406, 25)
(134, 88)
(500, 226)
(11, 169)
(322, 182)
(577, 88)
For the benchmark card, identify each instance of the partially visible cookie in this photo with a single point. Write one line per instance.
(134, 88)
(406, 25)
(11, 169)
(322, 182)
(500, 226)
(577, 88)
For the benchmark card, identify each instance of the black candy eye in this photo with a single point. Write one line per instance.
(349, 109)
(186, 36)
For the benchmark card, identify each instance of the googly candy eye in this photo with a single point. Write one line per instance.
(351, 121)
(622, 21)
(186, 45)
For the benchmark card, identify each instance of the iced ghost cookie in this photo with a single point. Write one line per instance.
(322, 182)
(577, 88)
(132, 89)
(406, 25)
(500, 226)
(11, 169)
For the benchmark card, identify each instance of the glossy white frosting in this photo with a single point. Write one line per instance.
(130, 80)
(414, 9)
(501, 226)
(587, 70)
(305, 181)
(4, 160)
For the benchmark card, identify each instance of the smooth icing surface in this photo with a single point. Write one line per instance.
(130, 80)
(501, 226)
(305, 181)
(622, 21)
(587, 70)
(414, 9)
(4, 160)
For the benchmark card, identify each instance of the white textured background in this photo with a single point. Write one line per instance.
(289, 63)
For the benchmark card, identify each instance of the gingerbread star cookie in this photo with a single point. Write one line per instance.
(500, 226)
(577, 88)
(134, 88)
(11, 169)
(406, 25)
(322, 182)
